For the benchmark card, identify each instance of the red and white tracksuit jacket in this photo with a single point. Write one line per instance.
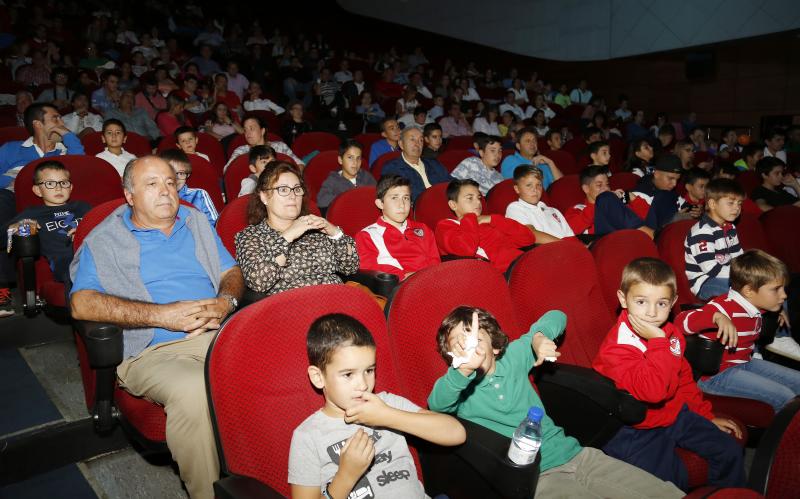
(383, 247)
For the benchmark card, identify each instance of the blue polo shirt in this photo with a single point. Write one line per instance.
(168, 267)
(513, 161)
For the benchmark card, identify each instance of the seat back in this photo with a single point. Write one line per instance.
(562, 276)
(315, 141)
(566, 192)
(12, 133)
(353, 210)
(564, 160)
(452, 157)
(93, 180)
(670, 246)
(749, 180)
(421, 302)
(781, 226)
(204, 176)
(234, 174)
(134, 143)
(751, 233)
(612, 253)
(231, 221)
(366, 140)
(777, 459)
(460, 142)
(255, 410)
(624, 180)
(431, 206)
(500, 196)
(377, 166)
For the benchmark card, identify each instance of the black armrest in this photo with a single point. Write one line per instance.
(585, 403)
(477, 468)
(26, 251)
(690, 306)
(104, 347)
(380, 283)
(243, 487)
(704, 355)
(249, 297)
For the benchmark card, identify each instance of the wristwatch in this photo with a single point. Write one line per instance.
(231, 299)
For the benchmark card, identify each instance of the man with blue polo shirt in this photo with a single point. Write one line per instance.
(528, 154)
(158, 270)
(421, 172)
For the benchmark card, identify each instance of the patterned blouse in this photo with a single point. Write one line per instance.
(313, 258)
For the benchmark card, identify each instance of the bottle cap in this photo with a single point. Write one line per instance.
(535, 414)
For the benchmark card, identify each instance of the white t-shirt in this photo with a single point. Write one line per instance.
(542, 217)
(118, 162)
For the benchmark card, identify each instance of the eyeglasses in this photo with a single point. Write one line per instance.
(284, 190)
(51, 184)
(183, 174)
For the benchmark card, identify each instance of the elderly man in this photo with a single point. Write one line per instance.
(422, 172)
(455, 125)
(159, 271)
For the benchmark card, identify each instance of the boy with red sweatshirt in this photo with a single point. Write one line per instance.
(643, 354)
(493, 237)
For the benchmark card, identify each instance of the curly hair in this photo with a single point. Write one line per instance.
(463, 315)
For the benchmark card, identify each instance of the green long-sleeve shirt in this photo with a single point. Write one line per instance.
(500, 401)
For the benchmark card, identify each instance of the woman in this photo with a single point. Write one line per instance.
(640, 159)
(256, 102)
(540, 123)
(540, 103)
(285, 247)
(487, 122)
(170, 120)
(221, 124)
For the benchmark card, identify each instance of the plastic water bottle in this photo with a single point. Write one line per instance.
(527, 438)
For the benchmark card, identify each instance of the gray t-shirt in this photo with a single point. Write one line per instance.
(317, 442)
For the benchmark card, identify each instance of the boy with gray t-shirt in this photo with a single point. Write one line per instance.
(354, 446)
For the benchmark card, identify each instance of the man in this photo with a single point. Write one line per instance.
(511, 105)
(455, 125)
(528, 154)
(353, 88)
(36, 73)
(205, 63)
(237, 82)
(159, 271)
(422, 172)
(23, 99)
(416, 80)
(582, 94)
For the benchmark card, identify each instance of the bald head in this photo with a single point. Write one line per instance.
(129, 173)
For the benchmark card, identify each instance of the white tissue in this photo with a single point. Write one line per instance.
(471, 343)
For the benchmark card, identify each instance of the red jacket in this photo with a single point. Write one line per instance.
(745, 316)
(498, 241)
(383, 247)
(581, 218)
(653, 371)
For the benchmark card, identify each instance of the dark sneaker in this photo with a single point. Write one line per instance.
(6, 304)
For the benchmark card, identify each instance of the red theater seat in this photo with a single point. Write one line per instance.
(353, 210)
(134, 143)
(315, 141)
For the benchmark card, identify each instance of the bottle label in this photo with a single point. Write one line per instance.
(522, 455)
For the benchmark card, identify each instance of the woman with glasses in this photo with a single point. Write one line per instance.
(285, 247)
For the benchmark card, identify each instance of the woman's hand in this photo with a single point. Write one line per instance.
(308, 222)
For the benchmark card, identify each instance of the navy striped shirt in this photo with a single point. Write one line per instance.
(708, 251)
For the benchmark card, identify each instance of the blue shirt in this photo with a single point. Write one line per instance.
(434, 170)
(512, 162)
(202, 201)
(378, 149)
(14, 155)
(169, 269)
(101, 102)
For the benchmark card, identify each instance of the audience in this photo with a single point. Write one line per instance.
(390, 131)
(483, 169)
(547, 223)
(348, 177)
(421, 172)
(114, 137)
(775, 181)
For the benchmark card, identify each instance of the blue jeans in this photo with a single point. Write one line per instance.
(757, 379)
(713, 287)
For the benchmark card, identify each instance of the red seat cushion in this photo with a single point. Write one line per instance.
(353, 210)
(148, 418)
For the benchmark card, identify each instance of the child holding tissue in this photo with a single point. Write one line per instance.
(489, 385)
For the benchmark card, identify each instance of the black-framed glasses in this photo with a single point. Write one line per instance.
(183, 174)
(51, 184)
(284, 190)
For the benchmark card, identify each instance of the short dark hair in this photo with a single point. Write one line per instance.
(463, 315)
(35, 112)
(48, 165)
(428, 129)
(590, 172)
(667, 129)
(774, 132)
(184, 129)
(455, 185)
(767, 164)
(728, 169)
(176, 156)
(260, 152)
(523, 171)
(694, 174)
(333, 331)
(648, 270)
(528, 129)
(591, 130)
(113, 121)
(550, 133)
(386, 120)
(257, 119)
(751, 150)
(487, 140)
(388, 182)
(594, 147)
(721, 187)
(349, 143)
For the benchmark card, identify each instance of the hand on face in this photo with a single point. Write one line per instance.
(371, 412)
(645, 329)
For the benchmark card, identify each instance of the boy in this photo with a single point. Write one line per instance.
(757, 281)
(600, 153)
(712, 242)
(751, 155)
(528, 154)
(349, 177)
(437, 110)
(493, 237)
(57, 219)
(199, 198)
(258, 159)
(643, 354)
(432, 137)
(395, 244)
(553, 139)
(483, 169)
(692, 203)
(774, 183)
(773, 144)
(530, 210)
(390, 131)
(355, 440)
(491, 388)
(114, 136)
(594, 181)
(186, 140)
(296, 126)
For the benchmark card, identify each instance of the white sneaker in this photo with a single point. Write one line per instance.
(785, 346)
(758, 356)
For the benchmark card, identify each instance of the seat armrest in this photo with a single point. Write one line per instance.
(26, 251)
(104, 348)
(243, 487)
(704, 355)
(380, 283)
(597, 388)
